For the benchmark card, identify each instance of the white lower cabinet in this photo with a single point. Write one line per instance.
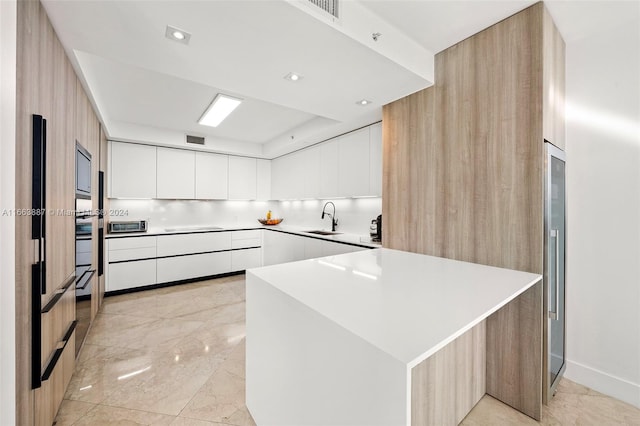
(246, 239)
(332, 249)
(193, 266)
(171, 245)
(246, 259)
(313, 248)
(142, 261)
(280, 247)
(135, 262)
(130, 274)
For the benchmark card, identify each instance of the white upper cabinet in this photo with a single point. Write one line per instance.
(311, 160)
(353, 164)
(263, 180)
(287, 177)
(278, 178)
(132, 171)
(212, 176)
(242, 178)
(349, 166)
(296, 173)
(375, 160)
(329, 169)
(176, 174)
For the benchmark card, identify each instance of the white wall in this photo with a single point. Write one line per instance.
(129, 132)
(603, 187)
(8, 21)
(171, 213)
(354, 214)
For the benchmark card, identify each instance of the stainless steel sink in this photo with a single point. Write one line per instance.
(320, 232)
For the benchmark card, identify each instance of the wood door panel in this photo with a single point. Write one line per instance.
(46, 85)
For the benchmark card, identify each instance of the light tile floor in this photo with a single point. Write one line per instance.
(175, 356)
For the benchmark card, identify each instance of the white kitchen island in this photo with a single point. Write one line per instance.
(384, 337)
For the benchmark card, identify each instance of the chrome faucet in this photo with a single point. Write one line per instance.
(334, 221)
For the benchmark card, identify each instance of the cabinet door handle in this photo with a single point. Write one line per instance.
(555, 233)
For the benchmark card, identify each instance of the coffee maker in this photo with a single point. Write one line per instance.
(375, 229)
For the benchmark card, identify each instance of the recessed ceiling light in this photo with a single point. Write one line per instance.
(219, 109)
(292, 76)
(363, 102)
(176, 34)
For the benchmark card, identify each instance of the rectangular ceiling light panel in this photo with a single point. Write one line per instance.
(219, 109)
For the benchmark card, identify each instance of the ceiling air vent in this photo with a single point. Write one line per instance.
(195, 140)
(329, 6)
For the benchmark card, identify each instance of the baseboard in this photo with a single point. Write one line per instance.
(602, 382)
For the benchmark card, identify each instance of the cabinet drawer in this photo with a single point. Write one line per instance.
(170, 245)
(249, 242)
(131, 254)
(198, 265)
(243, 239)
(48, 397)
(246, 235)
(246, 259)
(125, 275)
(130, 243)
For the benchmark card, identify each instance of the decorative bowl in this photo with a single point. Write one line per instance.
(270, 221)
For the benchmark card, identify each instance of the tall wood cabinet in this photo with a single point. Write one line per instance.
(463, 171)
(48, 86)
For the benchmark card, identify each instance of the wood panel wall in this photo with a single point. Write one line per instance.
(411, 175)
(447, 385)
(514, 353)
(553, 73)
(46, 85)
(463, 165)
(489, 97)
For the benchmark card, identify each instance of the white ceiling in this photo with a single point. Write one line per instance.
(437, 25)
(243, 48)
(138, 79)
(154, 99)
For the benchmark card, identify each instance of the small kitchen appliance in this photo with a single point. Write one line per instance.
(127, 226)
(375, 229)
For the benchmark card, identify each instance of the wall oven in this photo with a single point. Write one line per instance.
(84, 244)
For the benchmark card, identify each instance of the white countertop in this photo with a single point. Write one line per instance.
(407, 305)
(341, 237)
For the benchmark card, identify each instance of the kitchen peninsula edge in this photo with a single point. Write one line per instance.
(383, 337)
